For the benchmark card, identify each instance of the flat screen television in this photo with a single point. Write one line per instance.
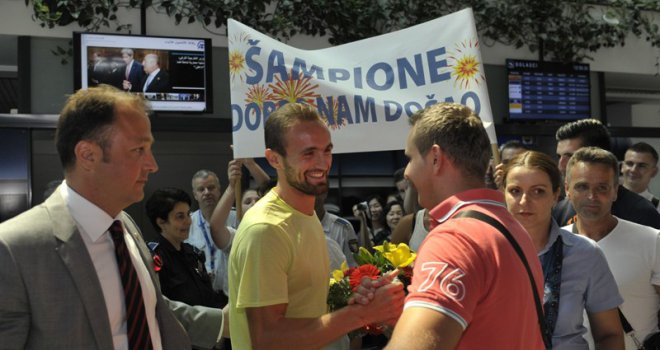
(174, 74)
(548, 90)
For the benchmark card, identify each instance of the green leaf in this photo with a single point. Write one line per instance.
(568, 28)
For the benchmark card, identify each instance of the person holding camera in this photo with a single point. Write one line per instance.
(372, 220)
(361, 213)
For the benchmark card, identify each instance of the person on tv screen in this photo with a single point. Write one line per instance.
(104, 69)
(133, 71)
(98, 69)
(156, 79)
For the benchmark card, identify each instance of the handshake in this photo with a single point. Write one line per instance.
(381, 299)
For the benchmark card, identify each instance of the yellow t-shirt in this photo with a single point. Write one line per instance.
(279, 256)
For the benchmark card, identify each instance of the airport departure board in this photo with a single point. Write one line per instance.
(548, 90)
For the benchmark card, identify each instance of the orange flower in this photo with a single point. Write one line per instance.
(356, 274)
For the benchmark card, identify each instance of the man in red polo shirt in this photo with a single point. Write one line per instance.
(470, 290)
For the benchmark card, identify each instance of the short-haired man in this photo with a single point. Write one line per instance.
(400, 182)
(470, 290)
(640, 166)
(508, 151)
(592, 133)
(632, 250)
(98, 69)
(206, 191)
(214, 237)
(66, 265)
(156, 79)
(133, 72)
(278, 266)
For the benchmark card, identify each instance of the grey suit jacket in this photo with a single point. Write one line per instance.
(51, 297)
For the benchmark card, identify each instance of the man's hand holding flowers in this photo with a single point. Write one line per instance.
(385, 307)
(366, 290)
(376, 284)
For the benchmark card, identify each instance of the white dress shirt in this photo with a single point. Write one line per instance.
(150, 78)
(128, 69)
(93, 224)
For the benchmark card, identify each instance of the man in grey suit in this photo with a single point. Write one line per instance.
(60, 286)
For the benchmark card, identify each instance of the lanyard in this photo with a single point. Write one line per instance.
(209, 243)
(552, 262)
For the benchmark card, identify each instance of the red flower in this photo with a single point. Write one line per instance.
(158, 262)
(408, 272)
(355, 275)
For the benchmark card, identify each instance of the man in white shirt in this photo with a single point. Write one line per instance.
(156, 79)
(215, 240)
(640, 166)
(206, 191)
(60, 281)
(632, 250)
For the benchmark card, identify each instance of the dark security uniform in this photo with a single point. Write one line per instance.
(183, 276)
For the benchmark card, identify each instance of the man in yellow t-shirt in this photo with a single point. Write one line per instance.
(278, 266)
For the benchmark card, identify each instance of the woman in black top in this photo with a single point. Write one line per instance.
(182, 274)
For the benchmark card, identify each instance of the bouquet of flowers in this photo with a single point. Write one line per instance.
(386, 258)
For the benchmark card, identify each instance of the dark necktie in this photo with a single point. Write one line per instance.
(137, 327)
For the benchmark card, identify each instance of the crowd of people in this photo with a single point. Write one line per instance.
(531, 253)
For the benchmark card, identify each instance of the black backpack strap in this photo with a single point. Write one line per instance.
(628, 330)
(655, 201)
(624, 322)
(547, 338)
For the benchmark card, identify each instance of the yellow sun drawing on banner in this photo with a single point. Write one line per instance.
(258, 94)
(236, 62)
(294, 89)
(237, 67)
(464, 64)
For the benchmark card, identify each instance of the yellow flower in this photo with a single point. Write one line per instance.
(363, 252)
(338, 275)
(386, 247)
(400, 256)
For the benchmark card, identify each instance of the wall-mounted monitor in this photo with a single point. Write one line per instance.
(174, 74)
(548, 90)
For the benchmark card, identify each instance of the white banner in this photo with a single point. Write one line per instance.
(365, 90)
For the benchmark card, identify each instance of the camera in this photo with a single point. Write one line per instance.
(364, 207)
